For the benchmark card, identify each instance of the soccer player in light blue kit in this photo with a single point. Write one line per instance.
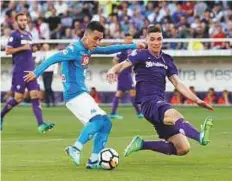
(75, 59)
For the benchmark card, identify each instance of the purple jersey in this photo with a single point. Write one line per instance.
(151, 73)
(125, 81)
(22, 60)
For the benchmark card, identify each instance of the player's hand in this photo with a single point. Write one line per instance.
(141, 45)
(27, 46)
(111, 76)
(30, 76)
(204, 105)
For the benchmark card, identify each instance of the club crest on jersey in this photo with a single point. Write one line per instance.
(85, 60)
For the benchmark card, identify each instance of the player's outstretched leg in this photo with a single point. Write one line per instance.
(205, 130)
(8, 106)
(188, 130)
(100, 139)
(90, 129)
(42, 126)
(138, 143)
(113, 114)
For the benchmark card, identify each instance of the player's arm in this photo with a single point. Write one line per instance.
(115, 60)
(11, 50)
(183, 89)
(117, 48)
(65, 55)
(111, 75)
(11, 45)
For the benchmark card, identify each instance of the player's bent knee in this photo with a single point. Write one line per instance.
(34, 94)
(171, 116)
(183, 151)
(119, 94)
(18, 97)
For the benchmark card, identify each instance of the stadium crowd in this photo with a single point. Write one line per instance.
(178, 19)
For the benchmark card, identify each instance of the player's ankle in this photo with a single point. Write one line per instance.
(78, 145)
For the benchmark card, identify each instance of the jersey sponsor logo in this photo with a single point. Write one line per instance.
(25, 42)
(155, 64)
(85, 60)
(63, 78)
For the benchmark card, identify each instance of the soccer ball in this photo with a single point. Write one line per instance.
(108, 158)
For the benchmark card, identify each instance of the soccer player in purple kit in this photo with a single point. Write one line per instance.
(125, 82)
(20, 48)
(152, 66)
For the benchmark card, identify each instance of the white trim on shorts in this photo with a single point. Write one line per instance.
(84, 107)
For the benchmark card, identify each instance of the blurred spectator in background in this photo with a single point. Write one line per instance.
(179, 19)
(188, 101)
(48, 74)
(43, 29)
(196, 45)
(33, 30)
(200, 8)
(35, 10)
(210, 97)
(61, 7)
(54, 22)
(219, 33)
(176, 97)
(95, 95)
(5, 37)
(224, 98)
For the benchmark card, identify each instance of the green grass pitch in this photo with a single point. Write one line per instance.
(30, 156)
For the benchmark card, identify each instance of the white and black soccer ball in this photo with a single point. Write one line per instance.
(108, 158)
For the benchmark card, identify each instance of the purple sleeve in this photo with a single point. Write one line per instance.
(119, 56)
(134, 57)
(172, 69)
(12, 40)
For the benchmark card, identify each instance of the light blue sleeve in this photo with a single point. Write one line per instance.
(114, 48)
(67, 54)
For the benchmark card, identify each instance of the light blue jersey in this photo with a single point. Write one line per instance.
(75, 59)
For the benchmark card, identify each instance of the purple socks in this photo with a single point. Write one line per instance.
(187, 129)
(160, 146)
(9, 105)
(37, 111)
(115, 105)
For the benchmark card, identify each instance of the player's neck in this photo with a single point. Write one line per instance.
(155, 54)
(22, 31)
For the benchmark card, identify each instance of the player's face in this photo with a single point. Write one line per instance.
(128, 39)
(154, 41)
(94, 39)
(22, 22)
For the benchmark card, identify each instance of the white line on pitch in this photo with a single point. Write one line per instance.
(61, 139)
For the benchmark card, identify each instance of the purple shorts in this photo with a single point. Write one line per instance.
(19, 85)
(124, 86)
(125, 83)
(154, 110)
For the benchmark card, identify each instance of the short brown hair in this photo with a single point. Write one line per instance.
(19, 14)
(154, 29)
